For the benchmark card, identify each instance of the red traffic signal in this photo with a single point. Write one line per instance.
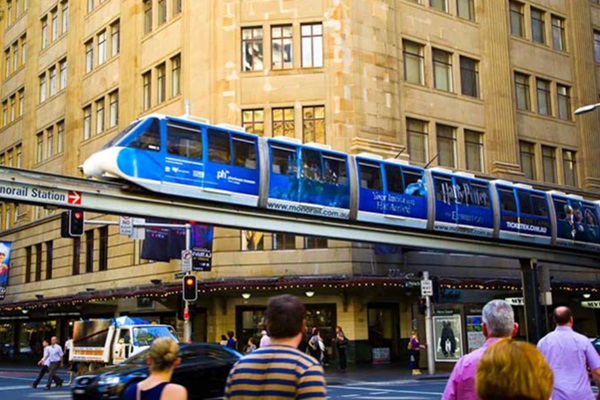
(190, 288)
(72, 223)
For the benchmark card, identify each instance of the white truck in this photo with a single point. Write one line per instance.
(99, 342)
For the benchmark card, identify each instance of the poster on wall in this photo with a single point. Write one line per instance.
(448, 335)
(475, 338)
(5, 248)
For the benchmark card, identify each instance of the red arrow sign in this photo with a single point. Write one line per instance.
(74, 197)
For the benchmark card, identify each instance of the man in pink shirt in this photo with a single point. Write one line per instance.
(498, 322)
(570, 354)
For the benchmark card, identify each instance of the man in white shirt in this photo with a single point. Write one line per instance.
(265, 340)
(54, 356)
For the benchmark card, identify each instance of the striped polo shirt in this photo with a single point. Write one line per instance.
(276, 372)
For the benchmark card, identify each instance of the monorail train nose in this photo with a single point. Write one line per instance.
(102, 163)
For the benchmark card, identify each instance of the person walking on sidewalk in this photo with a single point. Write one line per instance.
(54, 355)
(279, 370)
(498, 322)
(414, 347)
(570, 354)
(341, 347)
(44, 363)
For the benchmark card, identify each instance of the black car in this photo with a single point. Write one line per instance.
(203, 371)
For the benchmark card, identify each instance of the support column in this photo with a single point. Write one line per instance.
(531, 299)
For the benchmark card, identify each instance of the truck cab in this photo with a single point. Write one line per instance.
(129, 340)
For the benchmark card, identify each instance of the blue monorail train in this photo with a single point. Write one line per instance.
(186, 156)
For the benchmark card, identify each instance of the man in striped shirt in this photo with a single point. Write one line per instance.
(280, 370)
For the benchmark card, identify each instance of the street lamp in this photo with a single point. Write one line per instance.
(586, 109)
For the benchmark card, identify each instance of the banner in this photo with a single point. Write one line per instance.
(164, 244)
(447, 334)
(5, 248)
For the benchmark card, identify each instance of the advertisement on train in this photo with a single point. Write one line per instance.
(5, 248)
(576, 223)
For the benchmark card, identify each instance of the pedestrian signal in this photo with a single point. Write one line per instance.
(190, 288)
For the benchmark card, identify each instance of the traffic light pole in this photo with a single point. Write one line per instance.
(429, 332)
(187, 328)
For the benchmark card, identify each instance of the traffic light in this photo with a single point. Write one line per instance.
(190, 288)
(422, 305)
(72, 223)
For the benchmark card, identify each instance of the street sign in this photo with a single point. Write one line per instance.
(426, 287)
(139, 232)
(186, 260)
(514, 301)
(179, 275)
(125, 226)
(74, 197)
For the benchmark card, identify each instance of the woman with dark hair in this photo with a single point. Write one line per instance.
(341, 347)
(163, 357)
(231, 340)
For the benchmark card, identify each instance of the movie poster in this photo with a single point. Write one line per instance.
(475, 338)
(5, 248)
(447, 334)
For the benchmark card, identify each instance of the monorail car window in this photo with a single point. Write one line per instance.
(150, 139)
(184, 141)
(414, 183)
(561, 206)
(370, 176)
(334, 169)
(244, 152)
(444, 191)
(524, 201)
(311, 164)
(507, 200)
(393, 179)
(479, 195)
(540, 205)
(219, 150)
(283, 160)
(115, 141)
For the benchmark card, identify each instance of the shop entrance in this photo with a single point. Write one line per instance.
(384, 329)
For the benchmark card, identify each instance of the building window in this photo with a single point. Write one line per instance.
(7, 63)
(49, 258)
(5, 113)
(564, 102)
(442, 70)
(252, 49)
(52, 81)
(99, 116)
(517, 19)
(283, 122)
(313, 124)
(60, 137)
(43, 88)
(9, 12)
(281, 47)
(253, 121)
(38, 262)
(176, 76)
(466, 9)
(63, 74)
(13, 107)
(417, 140)
(549, 163)
(115, 39)
(522, 91)
(21, 102)
(597, 46)
(101, 47)
(446, 143)
(162, 12)
(87, 122)
(538, 34)
(19, 156)
(15, 55)
(44, 32)
(40, 147)
(315, 242)
(28, 260)
(161, 83)
(76, 261)
(147, 16)
(252, 240)
(558, 33)
(147, 85)
(441, 5)
(54, 24)
(89, 251)
(527, 152)
(65, 16)
(90, 6)
(103, 249)
(23, 50)
(543, 96)
(114, 109)
(89, 55)
(49, 142)
(176, 7)
(570, 167)
(414, 65)
(469, 76)
(312, 45)
(284, 241)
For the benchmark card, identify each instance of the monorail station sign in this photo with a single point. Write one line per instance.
(52, 196)
(591, 304)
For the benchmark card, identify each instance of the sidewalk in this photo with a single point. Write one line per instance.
(357, 373)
